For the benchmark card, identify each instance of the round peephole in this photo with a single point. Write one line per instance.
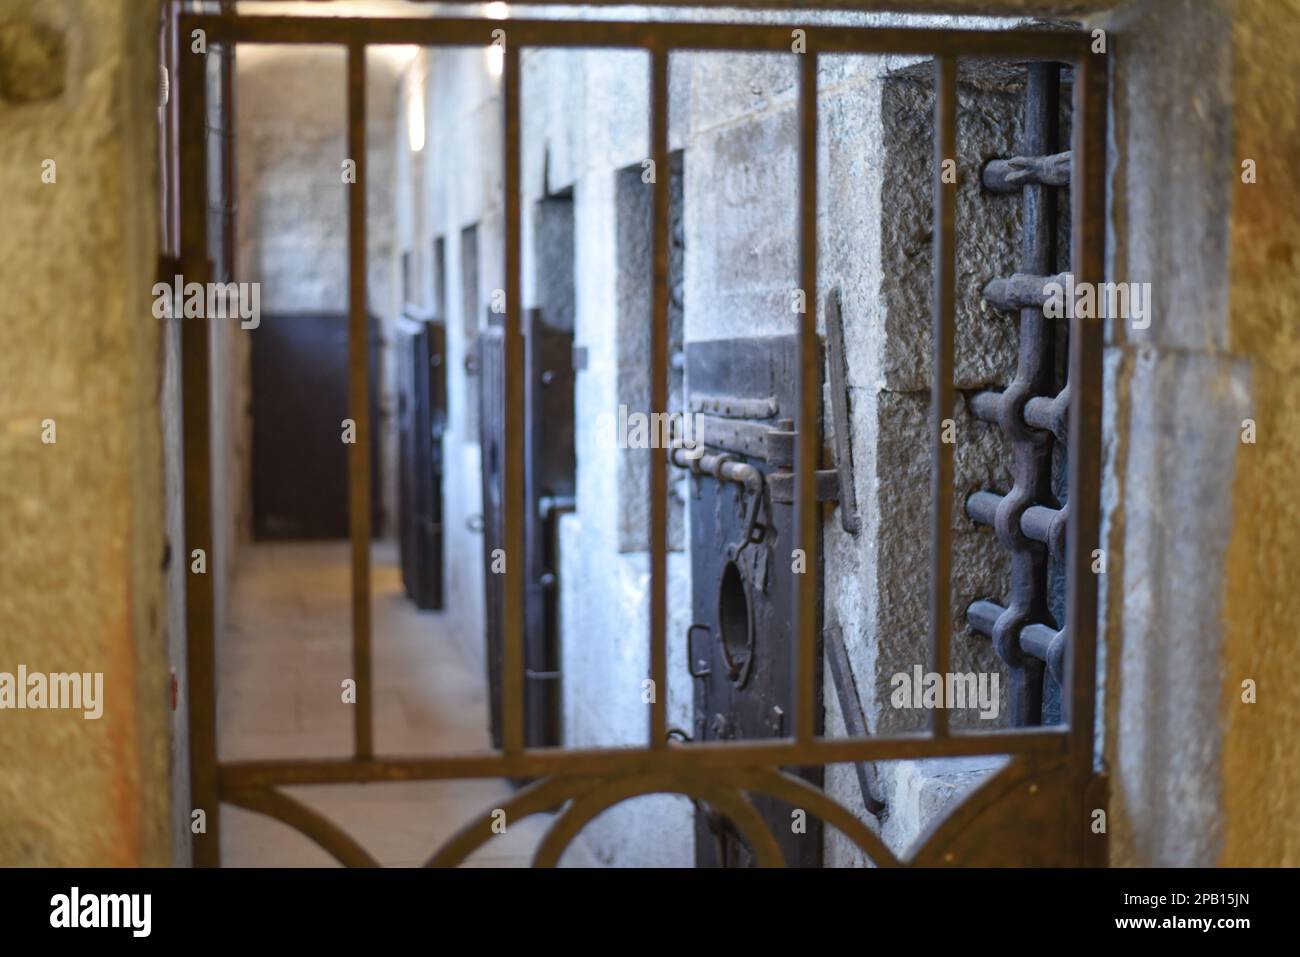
(735, 624)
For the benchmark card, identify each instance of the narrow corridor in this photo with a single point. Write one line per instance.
(282, 664)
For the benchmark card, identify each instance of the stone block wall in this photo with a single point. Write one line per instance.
(87, 541)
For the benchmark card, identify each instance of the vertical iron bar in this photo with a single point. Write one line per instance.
(228, 185)
(941, 389)
(512, 677)
(196, 422)
(808, 438)
(659, 403)
(1088, 224)
(359, 407)
(169, 172)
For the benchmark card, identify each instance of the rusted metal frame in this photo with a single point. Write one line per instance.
(700, 786)
(538, 762)
(512, 475)
(540, 796)
(229, 181)
(169, 168)
(359, 411)
(758, 38)
(495, 764)
(944, 238)
(310, 822)
(914, 7)
(196, 387)
(1088, 224)
(956, 7)
(807, 511)
(659, 458)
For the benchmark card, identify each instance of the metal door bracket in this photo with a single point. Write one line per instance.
(781, 486)
(843, 436)
(855, 719)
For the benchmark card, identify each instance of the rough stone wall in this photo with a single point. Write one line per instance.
(1260, 768)
(82, 579)
(1200, 525)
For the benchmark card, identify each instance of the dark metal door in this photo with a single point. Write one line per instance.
(421, 418)
(436, 367)
(549, 474)
(299, 401)
(492, 437)
(741, 395)
(549, 480)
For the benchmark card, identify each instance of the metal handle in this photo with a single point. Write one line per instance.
(690, 655)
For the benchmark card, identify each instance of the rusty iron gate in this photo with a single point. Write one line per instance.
(1034, 811)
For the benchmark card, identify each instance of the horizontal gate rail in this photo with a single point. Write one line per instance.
(610, 34)
(575, 761)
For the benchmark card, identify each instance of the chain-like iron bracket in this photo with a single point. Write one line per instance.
(1032, 418)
